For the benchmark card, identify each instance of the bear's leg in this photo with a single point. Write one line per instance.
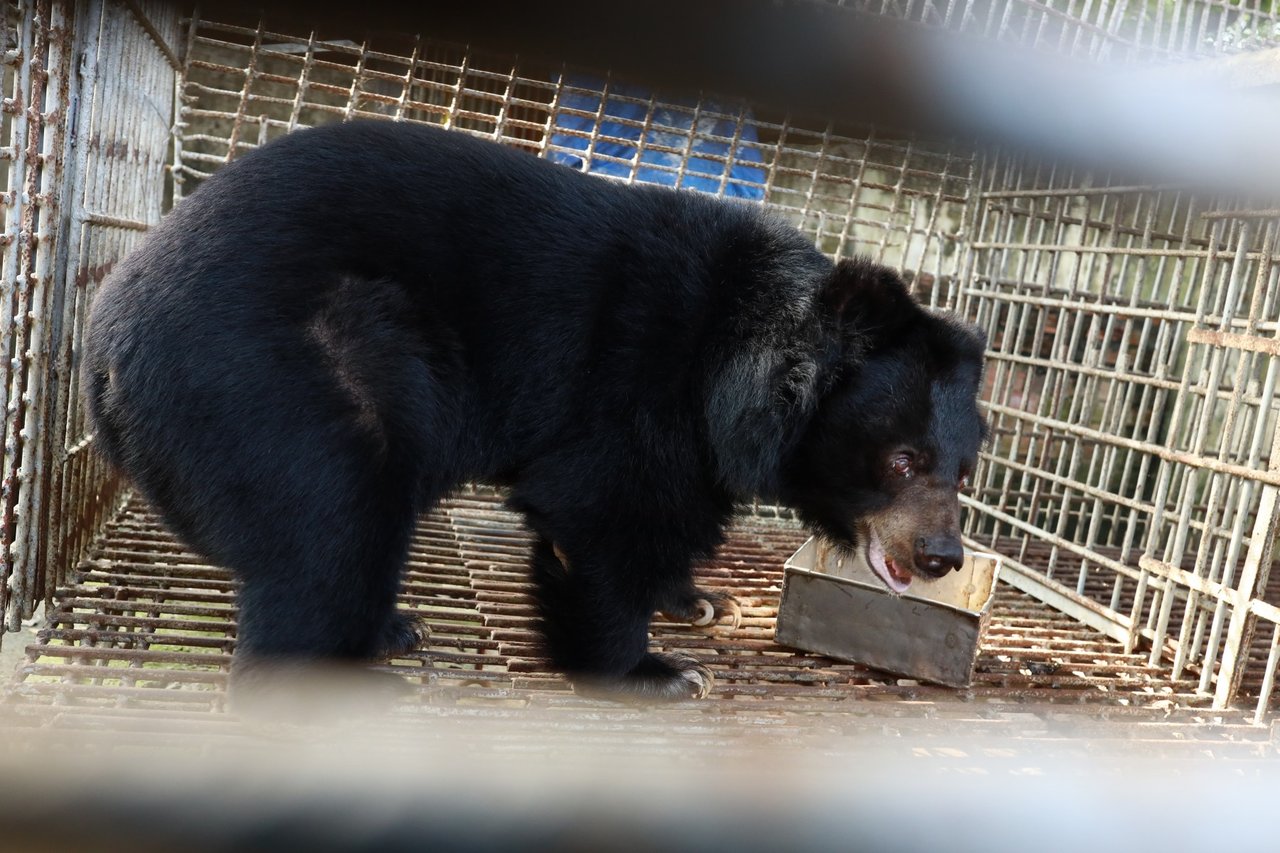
(325, 588)
(595, 613)
(319, 540)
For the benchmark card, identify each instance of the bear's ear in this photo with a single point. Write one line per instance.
(869, 296)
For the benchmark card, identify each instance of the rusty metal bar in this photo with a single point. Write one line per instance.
(16, 27)
(1110, 357)
(1230, 340)
(1023, 279)
(20, 306)
(1034, 193)
(35, 505)
(1265, 281)
(804, 171)
(1208, 505)
(1269, 680)
(1254, 576)
(115, 221)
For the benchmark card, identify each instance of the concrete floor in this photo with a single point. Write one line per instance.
(13, 646)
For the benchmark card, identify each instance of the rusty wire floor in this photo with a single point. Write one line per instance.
(142, 643)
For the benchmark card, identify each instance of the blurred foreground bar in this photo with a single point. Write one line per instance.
(1156, 121)
(362, 793)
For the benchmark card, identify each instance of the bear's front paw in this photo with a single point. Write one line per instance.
(403, 634)
(657, 678)
(706, 607)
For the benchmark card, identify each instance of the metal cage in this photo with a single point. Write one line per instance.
(1131, 481)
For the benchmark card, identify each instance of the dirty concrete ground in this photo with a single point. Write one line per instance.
(13, 645)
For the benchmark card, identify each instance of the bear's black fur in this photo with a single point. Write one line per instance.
(342, 326)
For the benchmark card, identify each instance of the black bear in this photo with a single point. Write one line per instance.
(339, 328)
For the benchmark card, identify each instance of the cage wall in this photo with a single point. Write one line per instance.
(86, 126)
(1131, 387)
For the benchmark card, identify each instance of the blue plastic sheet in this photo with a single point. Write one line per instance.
(738, 167)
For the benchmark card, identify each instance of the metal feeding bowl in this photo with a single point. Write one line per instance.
(834, 605)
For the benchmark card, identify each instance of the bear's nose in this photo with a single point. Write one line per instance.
(937, 555)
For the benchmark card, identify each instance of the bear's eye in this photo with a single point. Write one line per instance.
(901, 465)
(962, 483)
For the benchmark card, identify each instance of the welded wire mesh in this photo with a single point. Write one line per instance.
(1131, 389)
(852, 191)
(1131, 386)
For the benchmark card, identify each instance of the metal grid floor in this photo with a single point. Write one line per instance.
(143, 642)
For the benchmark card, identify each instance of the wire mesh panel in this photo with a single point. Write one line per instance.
(1131, 385)
(88, 125)
(853, 191)
(1132, 404)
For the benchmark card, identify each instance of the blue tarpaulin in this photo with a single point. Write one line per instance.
(672, 124)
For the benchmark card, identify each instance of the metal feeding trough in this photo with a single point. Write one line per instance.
(833, 604)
